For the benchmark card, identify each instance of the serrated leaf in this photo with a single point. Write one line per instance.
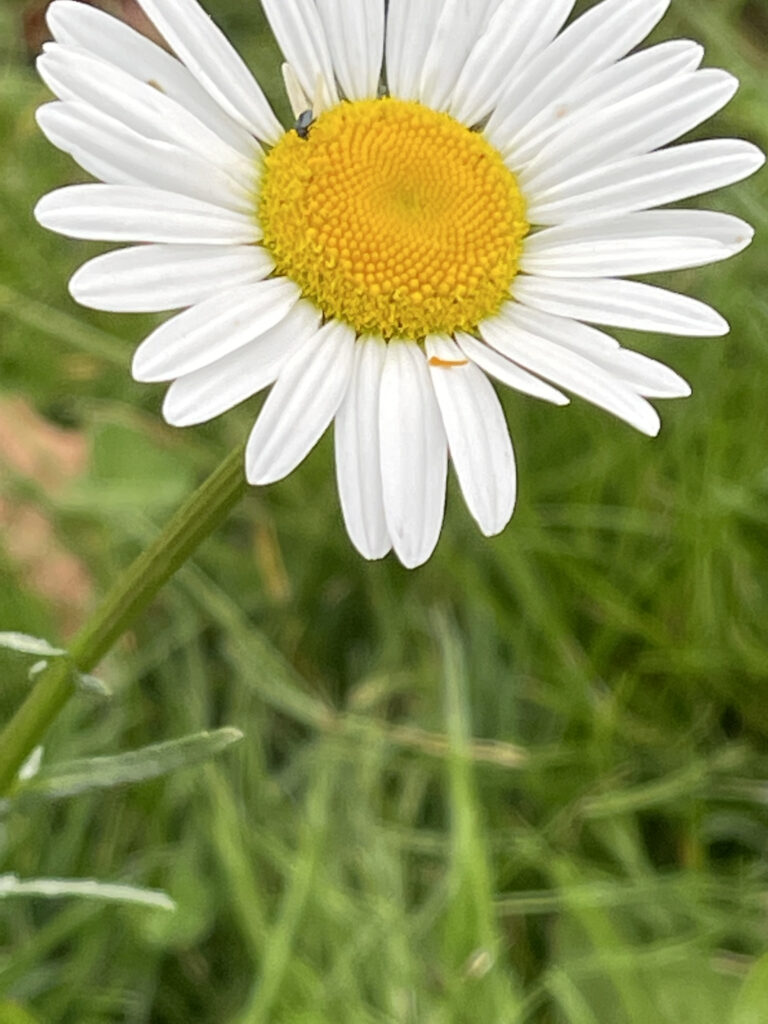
(84, 888)
(73, 777)
(25, 644)
(752, 1002)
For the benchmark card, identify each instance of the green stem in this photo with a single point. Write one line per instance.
(131, 594)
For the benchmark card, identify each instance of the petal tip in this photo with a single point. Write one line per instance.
(651, 426)
(75, 290)
(258, 471)
(720, 326)
(42, 210)
(374, 554)
(370, 545)
(38, 211)
(757, 157)
(411, 552)
(730, 83)
(412, 561)
(253, 476)
(78, 288)
(44, 113)
(176, 415)
(496, 526)
(144, 369)
(741, 240)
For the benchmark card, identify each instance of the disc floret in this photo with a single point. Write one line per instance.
(393, 218)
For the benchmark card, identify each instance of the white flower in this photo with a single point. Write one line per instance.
(463, 214)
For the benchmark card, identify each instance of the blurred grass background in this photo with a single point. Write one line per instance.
(527, 783)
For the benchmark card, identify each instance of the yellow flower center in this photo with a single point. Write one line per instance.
(393, 218)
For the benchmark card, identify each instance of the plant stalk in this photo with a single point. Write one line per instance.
(205, 510)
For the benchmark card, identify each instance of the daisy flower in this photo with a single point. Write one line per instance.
(465, 190)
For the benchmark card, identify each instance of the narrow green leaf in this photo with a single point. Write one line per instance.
(25, 644)
(92, 685)
(79, 776)
(570, 1000)
(84, 888)
(752, 1003)
(31, 766)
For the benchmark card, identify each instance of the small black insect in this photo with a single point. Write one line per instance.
(303, 123)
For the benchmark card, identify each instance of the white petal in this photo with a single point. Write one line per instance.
(638, 124)
(87, 28)
(205, 393)
(213, 328)
(414, 454)
(605, 33)
(299, 32)
(458, 28)
(119, 156)
(651, 180)
(355, 34)
(637, 243)
(410, 28)
(581, 338)
(647, 377)
(154, 278)
(116, 213)
(358, 466)
(517, 32)
(628, 77)
(644, 376)
(570, 370)
(74, 74)
(297, 98)
(212, 60)
(478, 438)
(493, 363)
(301, 405)
(640, 307)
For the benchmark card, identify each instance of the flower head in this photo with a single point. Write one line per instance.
(464, 191)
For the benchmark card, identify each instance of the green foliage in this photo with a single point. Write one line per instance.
(753, 998)
(525, 784)
(72, 778)
(22, 643)
(84, 889)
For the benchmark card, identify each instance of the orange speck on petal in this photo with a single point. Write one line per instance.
(447, 363)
